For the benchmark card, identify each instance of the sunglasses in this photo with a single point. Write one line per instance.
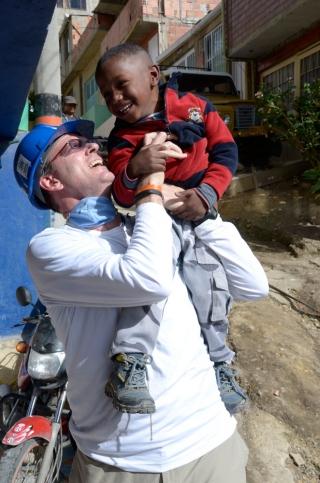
(69, 147)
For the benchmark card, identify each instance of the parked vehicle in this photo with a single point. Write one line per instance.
(36, 416)
(255, 143)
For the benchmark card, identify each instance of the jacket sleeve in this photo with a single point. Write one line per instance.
(223, 156)
(120, 151)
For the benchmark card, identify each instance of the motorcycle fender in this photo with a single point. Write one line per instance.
(27, 428)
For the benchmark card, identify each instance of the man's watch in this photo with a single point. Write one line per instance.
(211, 214)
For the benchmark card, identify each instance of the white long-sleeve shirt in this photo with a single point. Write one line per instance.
(84, 278)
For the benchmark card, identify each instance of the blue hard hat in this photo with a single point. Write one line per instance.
(28, 159)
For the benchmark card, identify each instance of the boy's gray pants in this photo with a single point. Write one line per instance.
(205, 278)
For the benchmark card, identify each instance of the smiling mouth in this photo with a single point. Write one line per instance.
(95, 163)
(125, 109)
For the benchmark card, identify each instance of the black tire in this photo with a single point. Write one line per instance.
(256, 151)
(21, 464)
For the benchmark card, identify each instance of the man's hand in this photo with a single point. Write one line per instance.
(187, 205)
(170, 199)
(152, 156)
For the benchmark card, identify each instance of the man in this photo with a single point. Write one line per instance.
(69, 106)
(85, 272)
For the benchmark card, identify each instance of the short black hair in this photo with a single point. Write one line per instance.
(121, 50)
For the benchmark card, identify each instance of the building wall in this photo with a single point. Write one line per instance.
(298, 64)
(94, 107)
(194, 40)
(123, 25)
(305, 41)
(22, 222)
(248, 16)
(140, 21)
(173, 21)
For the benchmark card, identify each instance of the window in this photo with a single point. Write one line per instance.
(90, 90)
(188, 60)
(280, 79)
(310, 68)
(72, 4)
(77, 4)
(298, 70)
(214, 51)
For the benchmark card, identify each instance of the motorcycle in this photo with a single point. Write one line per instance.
(36, 417)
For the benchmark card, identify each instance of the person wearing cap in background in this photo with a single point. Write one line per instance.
(85, 272)
(69, 106)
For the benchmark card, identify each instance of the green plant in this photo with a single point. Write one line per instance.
(295, 120)
(313, 176)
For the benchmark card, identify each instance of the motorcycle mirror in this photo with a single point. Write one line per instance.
(23, 296)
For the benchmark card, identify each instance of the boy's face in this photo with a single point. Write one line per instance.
(129, 86)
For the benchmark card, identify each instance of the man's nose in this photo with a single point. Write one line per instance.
(92, 146)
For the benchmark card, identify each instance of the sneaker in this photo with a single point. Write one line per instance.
(234, 398)
(127, 385)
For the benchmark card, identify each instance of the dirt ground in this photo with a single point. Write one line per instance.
(276, 340)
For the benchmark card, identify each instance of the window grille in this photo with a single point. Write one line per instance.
(214, 50)
(280, 79)
(188, 60)
(310, 69)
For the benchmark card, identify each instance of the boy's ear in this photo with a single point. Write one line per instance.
(154, 75)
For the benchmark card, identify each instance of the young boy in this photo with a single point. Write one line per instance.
(129, 82)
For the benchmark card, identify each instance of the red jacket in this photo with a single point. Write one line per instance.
(212, 153)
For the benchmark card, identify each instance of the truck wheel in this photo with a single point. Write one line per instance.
(256, 151)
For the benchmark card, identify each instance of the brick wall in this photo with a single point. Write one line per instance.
(243, 17)
(183, 10)
(177, 18)
(127, 19)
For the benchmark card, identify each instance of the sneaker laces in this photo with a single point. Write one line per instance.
(226, 379)
(136, 367)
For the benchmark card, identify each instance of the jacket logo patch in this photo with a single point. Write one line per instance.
(195, 114)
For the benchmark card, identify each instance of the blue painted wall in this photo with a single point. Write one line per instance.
(22, 36)
(19, 222)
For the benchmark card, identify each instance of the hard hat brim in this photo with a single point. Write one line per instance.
(82, 127)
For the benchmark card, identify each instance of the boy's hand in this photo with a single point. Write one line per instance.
(152, 157)
(191, 208)
(159, 137)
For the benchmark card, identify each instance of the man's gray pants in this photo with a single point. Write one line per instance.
(224, 464)
(205, 278)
